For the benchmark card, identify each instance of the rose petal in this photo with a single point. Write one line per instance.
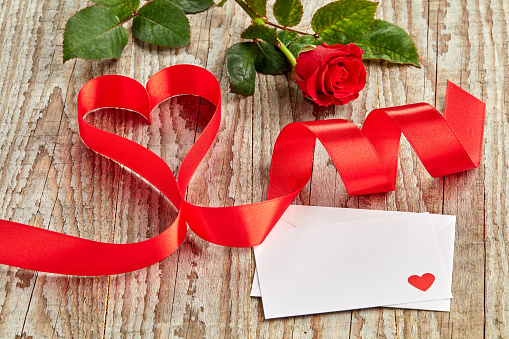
(320, 79)
(324, 100)
(343, 73)
(302, 87)
(344, 100)
(338, 47)
(361, 82)
(338, 83)
(333, 71)
(311, 86)
(327, 82)
(333, 58)
(355, 52)
(305, 68)
(353, 67)
(320, 54)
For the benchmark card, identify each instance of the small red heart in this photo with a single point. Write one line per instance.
(423, 283)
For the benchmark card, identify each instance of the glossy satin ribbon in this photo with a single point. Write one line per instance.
(366, 161)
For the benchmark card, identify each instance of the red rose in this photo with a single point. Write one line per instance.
(330, 74)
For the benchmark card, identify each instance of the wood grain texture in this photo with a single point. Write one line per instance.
(50, 179)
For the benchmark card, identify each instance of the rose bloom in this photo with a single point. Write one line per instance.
(330, 74)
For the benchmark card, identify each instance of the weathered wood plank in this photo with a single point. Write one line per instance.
(33, 93)
(488, 77)
(459, 61)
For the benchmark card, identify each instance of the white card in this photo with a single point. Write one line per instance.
(349, 265)
(443, 225)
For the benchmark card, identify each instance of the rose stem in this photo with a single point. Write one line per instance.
(247, 9)
(261, 21)
(287, 53)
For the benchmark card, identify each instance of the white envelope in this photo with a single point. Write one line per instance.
(271, 253)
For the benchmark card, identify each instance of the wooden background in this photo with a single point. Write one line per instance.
(50, 179)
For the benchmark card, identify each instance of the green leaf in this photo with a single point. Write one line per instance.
(123, 9)
(304, 41)
(260, 32)
(221, 3)
(94, 33)
(318, 41)
(288, 12)
(193, 6)
(343, 21)
(258, 6)
(287, 37)
(270, 59)
(160, 22)
(389, 42)
(240, 59)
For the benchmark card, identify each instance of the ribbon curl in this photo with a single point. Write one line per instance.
(366, 160)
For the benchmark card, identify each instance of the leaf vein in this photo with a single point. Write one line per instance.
(171, 30)
(97, 36)
(342, 18)
(125, 4)
(377, 48)
(251, 58)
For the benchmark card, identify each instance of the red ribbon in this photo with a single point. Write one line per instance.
(366, 161)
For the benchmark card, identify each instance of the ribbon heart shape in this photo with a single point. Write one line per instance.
(366, 160)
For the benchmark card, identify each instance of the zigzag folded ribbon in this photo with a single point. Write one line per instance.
(366, 161)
